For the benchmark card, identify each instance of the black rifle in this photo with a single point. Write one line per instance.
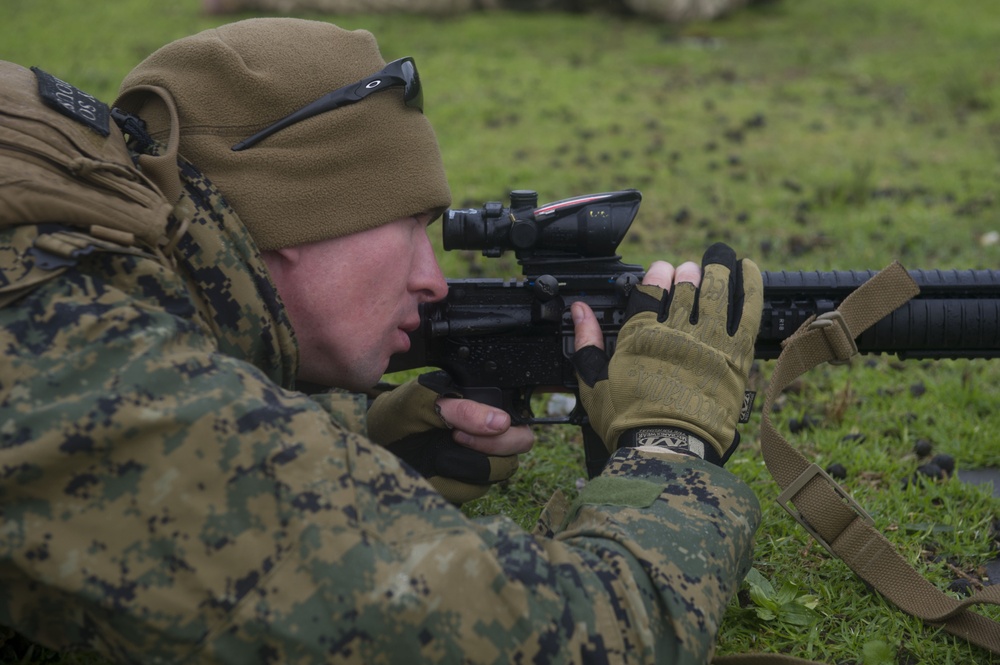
(503, 340)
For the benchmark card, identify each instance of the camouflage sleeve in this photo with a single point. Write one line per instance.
(680, 530)
(348, 410)
(163, 502)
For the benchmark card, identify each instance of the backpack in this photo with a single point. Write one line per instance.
(69, 185)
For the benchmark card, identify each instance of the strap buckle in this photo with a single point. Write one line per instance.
(796, 486)
(838, 336)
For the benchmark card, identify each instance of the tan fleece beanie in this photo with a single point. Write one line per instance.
(340, 172)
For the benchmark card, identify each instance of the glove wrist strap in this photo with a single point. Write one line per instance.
(678, 440)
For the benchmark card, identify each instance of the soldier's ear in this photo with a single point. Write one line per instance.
(281, 264)
(287, 255)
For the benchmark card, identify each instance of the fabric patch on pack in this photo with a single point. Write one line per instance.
(73, 102)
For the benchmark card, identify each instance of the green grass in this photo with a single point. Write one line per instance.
(842, 134)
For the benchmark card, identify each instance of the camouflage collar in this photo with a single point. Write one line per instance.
(231, 284)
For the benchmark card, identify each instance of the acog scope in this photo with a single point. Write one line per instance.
(584, 226)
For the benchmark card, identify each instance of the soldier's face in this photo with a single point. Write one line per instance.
(352, 300)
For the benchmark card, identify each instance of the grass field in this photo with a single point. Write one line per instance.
(827, 135)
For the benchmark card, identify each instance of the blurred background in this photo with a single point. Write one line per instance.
(827, 135)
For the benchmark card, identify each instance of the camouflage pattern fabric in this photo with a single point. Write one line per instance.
(166, 497)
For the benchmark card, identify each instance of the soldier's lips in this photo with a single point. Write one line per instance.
(404, 340)
(404, 334)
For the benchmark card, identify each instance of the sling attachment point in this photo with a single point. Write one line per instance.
(813, 471)
(132, 125)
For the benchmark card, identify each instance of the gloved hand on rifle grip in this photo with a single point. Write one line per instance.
(680, 368)
(409, 421)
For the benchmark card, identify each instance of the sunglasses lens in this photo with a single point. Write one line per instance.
(413, 94)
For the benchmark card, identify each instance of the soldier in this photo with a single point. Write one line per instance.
(168, 495)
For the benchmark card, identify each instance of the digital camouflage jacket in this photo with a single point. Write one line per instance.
(167, 498)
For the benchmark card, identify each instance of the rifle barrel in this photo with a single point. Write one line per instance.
(956, 314)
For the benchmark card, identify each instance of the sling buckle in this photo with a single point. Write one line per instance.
(812, 471)
(837, 335)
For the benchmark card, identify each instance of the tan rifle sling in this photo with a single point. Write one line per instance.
(824, 508)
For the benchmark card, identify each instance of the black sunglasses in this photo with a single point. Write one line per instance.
(402, 72)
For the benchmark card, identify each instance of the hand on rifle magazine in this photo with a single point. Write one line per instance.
(679, 372)
(461, 446)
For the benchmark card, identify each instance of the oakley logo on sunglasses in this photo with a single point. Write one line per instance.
(398, 73)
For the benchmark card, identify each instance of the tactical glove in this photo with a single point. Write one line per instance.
(406, 421)
(679, 372)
